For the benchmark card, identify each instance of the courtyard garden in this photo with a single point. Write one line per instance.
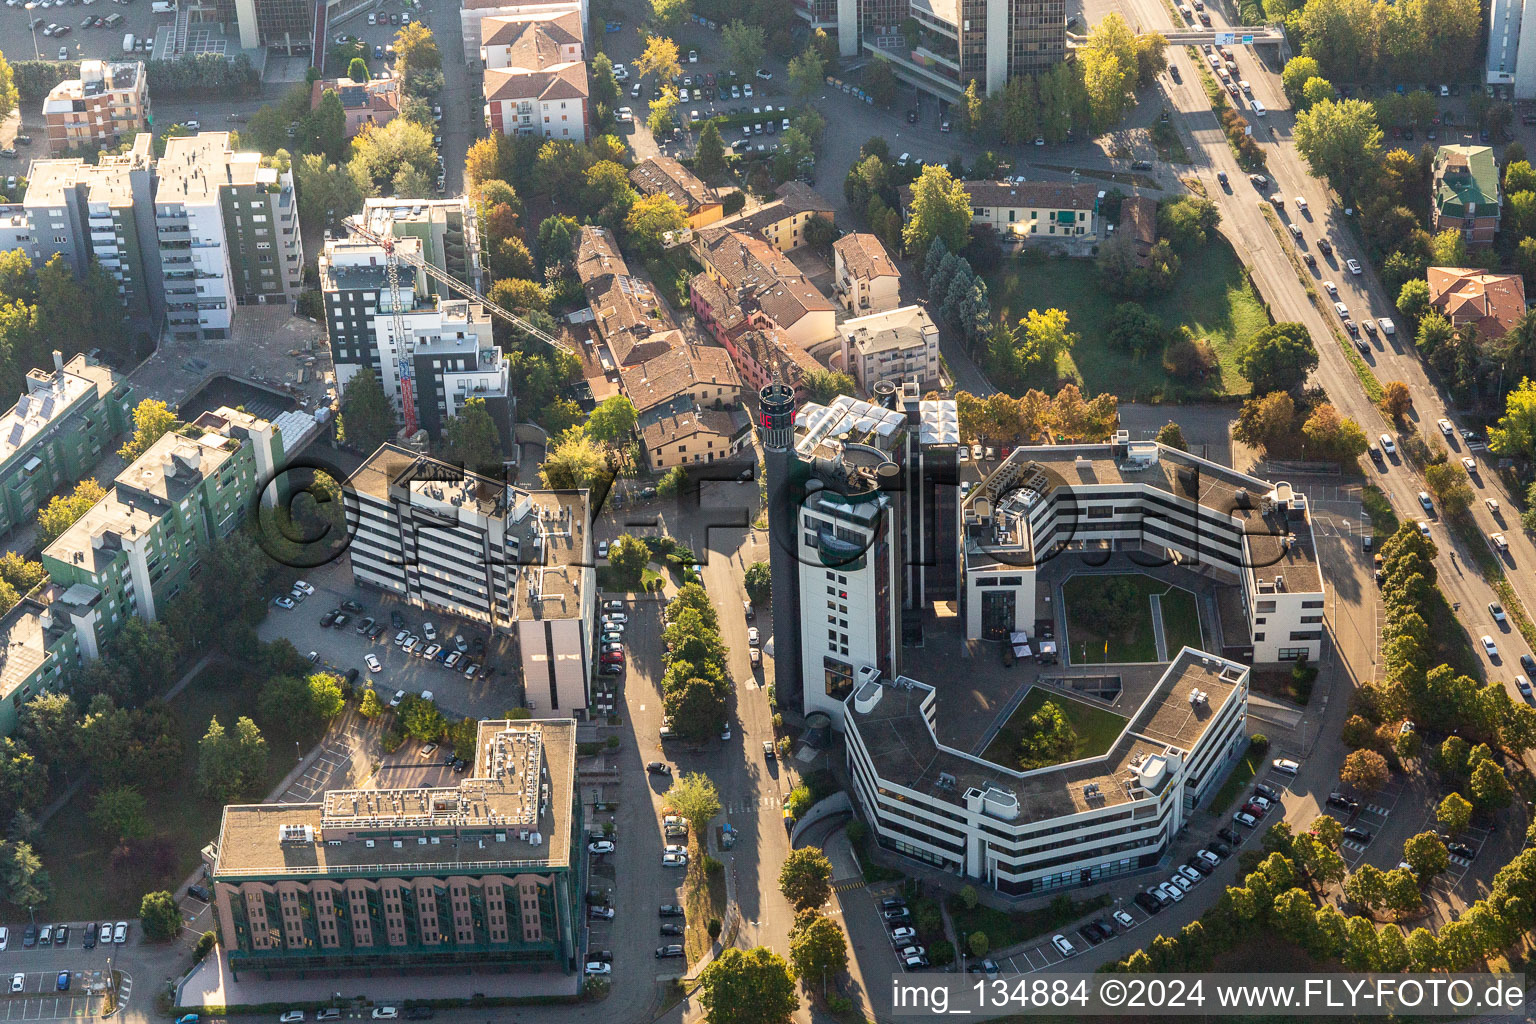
(1076, 730)
(1109, 618)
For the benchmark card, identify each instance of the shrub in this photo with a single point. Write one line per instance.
(205, 944)
(392, 740)
(714, 928)
(941, 953)
(857, 833)
(613, 743)
(839, 1005)
(712, 865)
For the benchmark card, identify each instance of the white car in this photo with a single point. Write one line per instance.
(411, 643)
(399, 696)
(18, 982)
(602, 545)
(1328, 287)
(674, 860)
(429, 631)
(1301, 204)
(401, 637)
(597, 967)
(1387, 445)
(291, 1017)
(1470, 464)
(1489, 647)
(309, 591)
(1244, 818)
(1387, 326)
(906, 951)
(1500, 543)
(1423, 525)
(1182, 883)
(1353, 265)
(120, 932)
(600, 846)
(903, 934)
(1209, 857)
(283, 602)
(1191, 874)
(106, 933)
(5, 939)
(1063, 946)
(373, 664)
(1446, 427)
(426, 695)
(386, 1012)
(615, 619)
(1169, 891)
(752, 636)
(1126, 920)
(1494, 608)
(1342, 310)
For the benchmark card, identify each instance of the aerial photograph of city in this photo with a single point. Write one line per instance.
(988, 509)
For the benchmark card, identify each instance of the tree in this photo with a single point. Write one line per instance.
(1413, 300)
(759, 583)
(940, 207)
(1047, 738)
(806, 878)
(1402, 895)
(26, 880)
(817, 948)
(1449, 483)
(151, 420)
(577, 460)
(744, 47)
(1426, 855)
(807, 72)
(605, 88)
(218, 770)
(1172, 435)
(653, 221)
(612, 421)
(1341, 141)
(672, 482)
(1278, 358)
(160, 916)
(416, 52)
(696, 799)
(629, 555)
(659, 59)
(327, 190)
(1396, 399)
(120, 812)
(752, 986)
(64, 511)
(1297, 71)
(709, 159)
(1332, 436)
(371, 706)
(1448, 249)
(379, 153)
(358, 70)
(326, 700)
(1515, 435)
(1454, 813)
(696, 708)
(1366, 770)
(1040, 338)
(669, 13)
(1109, 66)
(1488, 787)
(1187, 221)
(824, 385)
(471, 440)
(880, 82)
(367, 419)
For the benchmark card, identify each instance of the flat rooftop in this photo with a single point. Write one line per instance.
(551, 588)
(1163, 721)
(51, 395)
(195, 166)
(1275, 520)
(512, 812)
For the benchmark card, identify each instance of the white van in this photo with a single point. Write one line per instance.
(163, 7)
(1286, 766)
(1258, 109)
(128, 43)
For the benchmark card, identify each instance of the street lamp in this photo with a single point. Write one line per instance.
(36, 53)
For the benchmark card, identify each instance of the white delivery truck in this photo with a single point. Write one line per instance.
(128, 43)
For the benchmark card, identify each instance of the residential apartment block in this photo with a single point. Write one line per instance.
(106, 105)
(689, 435)
(472, 13)
(865, 277)
(662, 175)
(374, 102)
(1032, 211)
(781, 222)
(448, 230)
(693, 374)
(448, 343)
(895, 346)
(1464, 194)
(141, 545)
(1057, 827)
(228, 233)
(760, 279)
(519, 561)
(758, 349)
(628, 318)
(535, 74)
(56, 433)
(480, 870)
(40, 653)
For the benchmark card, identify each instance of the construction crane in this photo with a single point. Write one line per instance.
(393, 257)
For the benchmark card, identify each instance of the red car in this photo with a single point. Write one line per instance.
(1255, 810)
(613, 658)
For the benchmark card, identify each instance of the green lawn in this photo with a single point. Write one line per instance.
(91, 882)
(1242, 774)
(1096, 728)
(1383, 519)
(1004, 929)
(1181, 621)
(1133, 640)
(1211, 295)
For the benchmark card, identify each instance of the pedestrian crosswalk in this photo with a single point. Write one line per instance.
(766, 800)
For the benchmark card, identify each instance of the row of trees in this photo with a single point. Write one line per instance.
(957, 294)
(1358, 40)
(696, 679)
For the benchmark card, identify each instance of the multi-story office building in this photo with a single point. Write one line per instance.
(448, 342)
(518, 560)
(481, 870)
(228, 233)
(287, 25)
(140, 545)
(1055, 827)
(448, 230)
(55, 433)
(108, 103)
(895, 346)
(102, 212)
(1141, 496)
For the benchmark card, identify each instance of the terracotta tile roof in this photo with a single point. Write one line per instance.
(864, 256)
(627, 316)
(1038, 195)
(760, 273)
(657, 381)
(727, 312)
(664, 175)
(380, 94)
(561, 82)
(514, 30)
(1138, 219)
(679, 426)
(1467, 295)
(597, 253)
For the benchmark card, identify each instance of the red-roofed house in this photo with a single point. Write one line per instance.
(1466, 295)
(375, 102)
(535, 79)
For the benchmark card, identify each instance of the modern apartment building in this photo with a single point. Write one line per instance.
(40, 653)
(895, 346)
(519, 561)
(864, 275)
(1141, 496)
(228, 228)
(1066, 825)
(102, 212)
(452, 357)
(139, 546)
(107, 104)
(483, 870)
(56, 433)
(448, 230)
(1464, 194)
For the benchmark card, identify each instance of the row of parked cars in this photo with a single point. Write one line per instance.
(57, 935)
(898, 919)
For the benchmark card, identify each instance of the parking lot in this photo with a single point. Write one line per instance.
(492, 691)
(16, 39)
(40, 998)
(1372, 817)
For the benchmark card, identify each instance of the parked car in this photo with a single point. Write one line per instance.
(658, 768)
(120, 932)
(903, 934)
(1244, 818)
(670, 910)
(669, 952)
(1461, 850)
(600, 846)
(1359, 835)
